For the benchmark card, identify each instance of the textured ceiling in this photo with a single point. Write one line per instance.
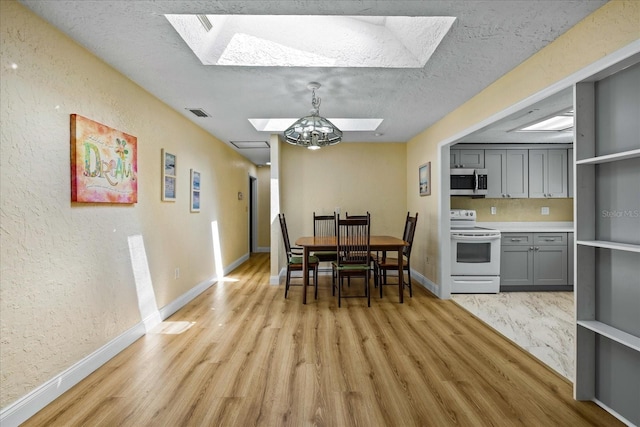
(488, 39)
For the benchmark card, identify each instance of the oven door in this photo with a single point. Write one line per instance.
(475, 254)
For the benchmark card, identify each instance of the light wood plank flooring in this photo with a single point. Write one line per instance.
(242, 355)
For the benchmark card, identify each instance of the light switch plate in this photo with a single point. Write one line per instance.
(493, 210)
(544, 210)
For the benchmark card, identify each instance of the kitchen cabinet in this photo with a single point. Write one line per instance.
(508, 173)
(548, 173)
(533, 261)
(466, 158)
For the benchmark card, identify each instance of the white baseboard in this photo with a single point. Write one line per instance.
(235, 264)
(28, 405)
(426, 283)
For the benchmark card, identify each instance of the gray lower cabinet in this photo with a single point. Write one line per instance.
(534, 261)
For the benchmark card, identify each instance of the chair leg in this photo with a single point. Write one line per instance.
(333, 281)
(339, 289)
(286, 287)
(409, 281)
(315, 280)
(368, 290)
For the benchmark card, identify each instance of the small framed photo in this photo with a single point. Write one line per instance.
(168, 176)
(424, 174)
(195, 191)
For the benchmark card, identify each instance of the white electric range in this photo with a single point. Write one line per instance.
(475, 255)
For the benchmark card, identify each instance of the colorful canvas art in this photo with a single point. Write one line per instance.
(104, 163)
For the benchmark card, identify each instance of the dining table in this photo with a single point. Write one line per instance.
(329, 243)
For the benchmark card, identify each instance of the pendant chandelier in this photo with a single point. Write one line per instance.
(313, 131)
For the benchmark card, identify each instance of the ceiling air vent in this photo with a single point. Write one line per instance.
(198, 112)
(205, 22)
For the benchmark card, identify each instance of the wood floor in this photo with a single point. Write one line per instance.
(242, 355)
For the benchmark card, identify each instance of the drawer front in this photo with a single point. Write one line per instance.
(517, 239)
(550, 239)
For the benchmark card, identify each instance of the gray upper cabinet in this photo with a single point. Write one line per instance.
(467, 158)
(508, 173)
(548, 173)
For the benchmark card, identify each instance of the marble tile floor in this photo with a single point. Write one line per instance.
(542, 323)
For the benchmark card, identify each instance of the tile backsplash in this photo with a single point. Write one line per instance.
(516, 210)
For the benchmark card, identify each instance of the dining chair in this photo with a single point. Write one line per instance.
(324, 226)
(367, 215)
(294, 259)
(382, 264)
(353, 257)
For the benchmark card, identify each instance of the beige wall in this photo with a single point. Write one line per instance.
(608, 29)
(264, 200)
(517, 210)
(355, 177)
(67, 286)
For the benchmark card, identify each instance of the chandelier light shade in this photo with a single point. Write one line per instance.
(313, 131)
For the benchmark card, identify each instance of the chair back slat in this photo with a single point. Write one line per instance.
(324, 225)
(353, 239)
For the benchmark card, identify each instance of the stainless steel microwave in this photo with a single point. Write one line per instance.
(468, 182)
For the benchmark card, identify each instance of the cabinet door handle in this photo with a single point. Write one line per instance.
(537, 248)
(516, 240)
(531, 248)
(549, 240)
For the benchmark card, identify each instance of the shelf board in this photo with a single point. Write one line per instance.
(612, 333)
(610, 245)
(609, 158)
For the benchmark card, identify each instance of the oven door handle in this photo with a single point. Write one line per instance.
(474, 237)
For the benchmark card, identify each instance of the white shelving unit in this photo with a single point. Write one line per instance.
(607, 247)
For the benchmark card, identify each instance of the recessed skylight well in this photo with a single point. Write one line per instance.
(312, 41)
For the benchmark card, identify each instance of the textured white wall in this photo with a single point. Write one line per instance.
(66, 282)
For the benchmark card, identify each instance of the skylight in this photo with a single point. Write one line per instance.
(311, 40)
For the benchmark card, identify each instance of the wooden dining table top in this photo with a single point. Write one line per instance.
(330, 242)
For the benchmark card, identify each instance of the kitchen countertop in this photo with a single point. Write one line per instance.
(529, 227)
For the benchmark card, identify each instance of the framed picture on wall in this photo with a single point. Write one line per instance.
(424, 174)
(195, 191)
(104, 163)
(168, 176)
